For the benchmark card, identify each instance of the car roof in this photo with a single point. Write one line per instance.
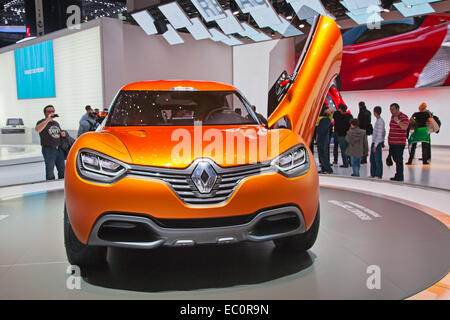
(166, 85)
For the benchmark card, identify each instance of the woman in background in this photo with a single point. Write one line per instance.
(419, 121)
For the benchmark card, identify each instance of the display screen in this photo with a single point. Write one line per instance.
(35, 72)
(14, 122)
(406, 53)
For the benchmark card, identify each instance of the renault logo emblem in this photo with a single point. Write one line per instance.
(204, 177)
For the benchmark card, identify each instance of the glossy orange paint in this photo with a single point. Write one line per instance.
(166, 85)
(303, 101)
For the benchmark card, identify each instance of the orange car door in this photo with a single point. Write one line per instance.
(317, 67)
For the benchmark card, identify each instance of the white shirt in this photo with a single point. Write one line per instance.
(379, 132)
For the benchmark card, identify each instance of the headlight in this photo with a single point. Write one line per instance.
(98, 167)
(293, 162)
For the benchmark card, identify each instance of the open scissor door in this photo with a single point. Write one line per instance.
(300, 95)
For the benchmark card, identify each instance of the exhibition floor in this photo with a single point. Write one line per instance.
(364, 225)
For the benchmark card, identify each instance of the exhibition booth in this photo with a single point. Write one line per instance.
(369, 227)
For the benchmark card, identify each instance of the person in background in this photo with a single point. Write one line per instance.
(365, 123)
(50, 134)
(357, 145)
(323, 139)
(260, 117)
(341, 126)
(90, 124)
(397, 139)
(238, 111)
(379, 133)
(85, 116)
(419, 121)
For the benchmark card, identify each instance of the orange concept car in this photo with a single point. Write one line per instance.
(181, 163)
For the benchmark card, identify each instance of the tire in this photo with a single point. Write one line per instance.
(300, 242)
(77, 252)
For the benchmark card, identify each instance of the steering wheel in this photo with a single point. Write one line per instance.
(214, 111)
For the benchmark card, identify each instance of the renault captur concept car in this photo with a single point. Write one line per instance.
(181, 163)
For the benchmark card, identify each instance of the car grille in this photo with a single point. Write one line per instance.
(181, 182)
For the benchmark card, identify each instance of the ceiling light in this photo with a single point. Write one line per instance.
(289, 17)
(172, 36)
(249, 5)
(265, 17)
(366, 18)
(176, 16)
(198, 30)
(301, 26)
(307, 9)
(260, 37)
(230, 24)
(236, 13)
(232, 41)
(146, 21)
(209, 9)
(286, 29)
(415, 10)
(217, 35)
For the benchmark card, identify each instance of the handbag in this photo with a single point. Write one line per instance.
(433, 126)
(389, 161)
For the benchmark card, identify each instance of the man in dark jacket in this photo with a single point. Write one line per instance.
(323, 139)
(90, 124)
(341, 126)
(365, 123)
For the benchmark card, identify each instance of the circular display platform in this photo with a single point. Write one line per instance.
(368, 248)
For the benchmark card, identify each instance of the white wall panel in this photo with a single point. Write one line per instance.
(78, 80)
(257, 66)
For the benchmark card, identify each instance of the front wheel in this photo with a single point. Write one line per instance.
(300, 242)
(77, 252)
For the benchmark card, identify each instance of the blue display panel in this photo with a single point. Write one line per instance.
(35, 71)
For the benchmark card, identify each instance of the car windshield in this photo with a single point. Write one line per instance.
(180, 108)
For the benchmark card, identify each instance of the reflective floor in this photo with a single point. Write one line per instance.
(436, 174)
(358, 234)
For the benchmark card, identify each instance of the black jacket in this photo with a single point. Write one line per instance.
(341, 123)
(365, 119)
(66, 144)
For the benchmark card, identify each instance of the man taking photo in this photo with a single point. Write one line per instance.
(50, 134)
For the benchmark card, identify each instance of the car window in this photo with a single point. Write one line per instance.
(389, 29)
(175, 108)
(330, 102)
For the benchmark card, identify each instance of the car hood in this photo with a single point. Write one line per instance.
(178, 147)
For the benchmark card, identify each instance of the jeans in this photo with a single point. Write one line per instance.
(343, 145)
(335, 148)
(356, 164)
(376, 161)
(324, 155)
(313, 139)
(53, 156)
(426, 151)
(396, 151)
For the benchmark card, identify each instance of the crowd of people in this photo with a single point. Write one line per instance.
(350, 135)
